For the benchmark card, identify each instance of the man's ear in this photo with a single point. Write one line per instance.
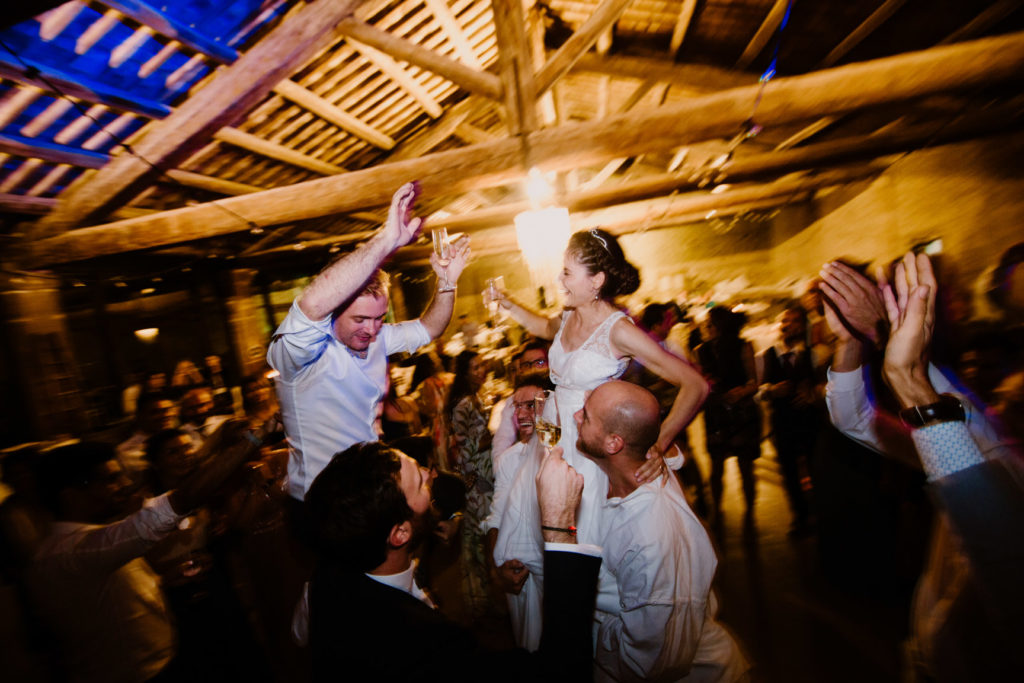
(400, 534)
(613, 443)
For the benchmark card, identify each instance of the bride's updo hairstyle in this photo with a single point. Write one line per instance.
(599, 252)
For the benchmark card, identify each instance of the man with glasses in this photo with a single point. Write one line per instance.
(531, 361)
(512, 574)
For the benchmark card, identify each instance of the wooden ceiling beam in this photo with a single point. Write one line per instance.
(440, 131)
(19, 203)
(696, 78)
(877, 18)
(147, 15)
(478, 82)
(402, 78)
(274, 151)
(516, 66)
(606, 14)
(48, 78)
(318, 106)
(673, 207)
(51, 152)
(763, 34)
(682, 25)
(991, 16)
(454, 33)
(211, 184)
(842, 89)
(227, 95)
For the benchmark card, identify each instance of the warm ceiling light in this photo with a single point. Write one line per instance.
(147, 334)
(542, 235)
(538, 188)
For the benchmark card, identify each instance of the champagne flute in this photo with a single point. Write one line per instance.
(546, 421)
(443, 249)
(492, 295)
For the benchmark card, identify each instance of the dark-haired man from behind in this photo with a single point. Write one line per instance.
(370, 621)
(663, 626)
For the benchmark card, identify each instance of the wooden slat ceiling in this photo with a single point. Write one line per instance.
(214, 100)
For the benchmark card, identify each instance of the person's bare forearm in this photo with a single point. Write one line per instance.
(439, 312)
(343, 279)
(536, 324)
(692, 393)
(847, 356)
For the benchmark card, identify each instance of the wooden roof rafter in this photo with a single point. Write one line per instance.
(842, 89)
(231, 92)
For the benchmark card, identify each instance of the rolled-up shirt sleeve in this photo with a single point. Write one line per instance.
(404, 337)
(298, 342)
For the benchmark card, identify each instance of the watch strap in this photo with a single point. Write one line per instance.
(947, 409)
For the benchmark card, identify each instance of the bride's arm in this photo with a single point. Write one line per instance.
(536, 324)
(629, 340)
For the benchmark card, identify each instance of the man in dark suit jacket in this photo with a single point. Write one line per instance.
(369, 621)
(789, 383)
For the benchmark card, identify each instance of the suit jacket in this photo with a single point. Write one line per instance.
(785, 414)
(363, 630)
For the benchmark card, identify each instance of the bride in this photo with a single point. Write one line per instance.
(593, 342)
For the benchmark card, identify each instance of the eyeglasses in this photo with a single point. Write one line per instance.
(539, 363)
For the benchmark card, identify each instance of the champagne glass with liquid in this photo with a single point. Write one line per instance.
(492, 295)
(443, 249)
(546, 421)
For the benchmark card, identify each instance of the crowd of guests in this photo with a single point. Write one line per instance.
(383, 504)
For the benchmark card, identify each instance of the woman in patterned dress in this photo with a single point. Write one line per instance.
(471, 455)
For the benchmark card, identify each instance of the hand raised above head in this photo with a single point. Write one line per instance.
(459, 258)
(401, 227)
(857, 300)
(911, 311)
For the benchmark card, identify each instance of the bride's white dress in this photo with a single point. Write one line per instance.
(519, 537)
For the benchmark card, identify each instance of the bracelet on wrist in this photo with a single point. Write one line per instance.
(565, 530)
(442, 290)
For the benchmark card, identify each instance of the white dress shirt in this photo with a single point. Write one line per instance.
(101, 599)
(663, 627)
(328, 396)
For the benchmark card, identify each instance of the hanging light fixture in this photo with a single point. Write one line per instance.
(543, 231)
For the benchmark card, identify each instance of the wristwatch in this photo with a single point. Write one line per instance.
(947, 409)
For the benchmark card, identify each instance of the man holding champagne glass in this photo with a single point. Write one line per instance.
(332, 348)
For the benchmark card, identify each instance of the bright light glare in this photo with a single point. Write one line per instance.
(538, 189)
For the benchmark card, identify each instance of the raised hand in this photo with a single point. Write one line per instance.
(401, 226)
(911, 312)
(857, 300)
(460, 256)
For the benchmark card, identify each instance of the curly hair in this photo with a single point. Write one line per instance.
(354, 503)
(599, 252)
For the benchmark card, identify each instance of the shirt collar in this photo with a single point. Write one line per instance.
(404, 581)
